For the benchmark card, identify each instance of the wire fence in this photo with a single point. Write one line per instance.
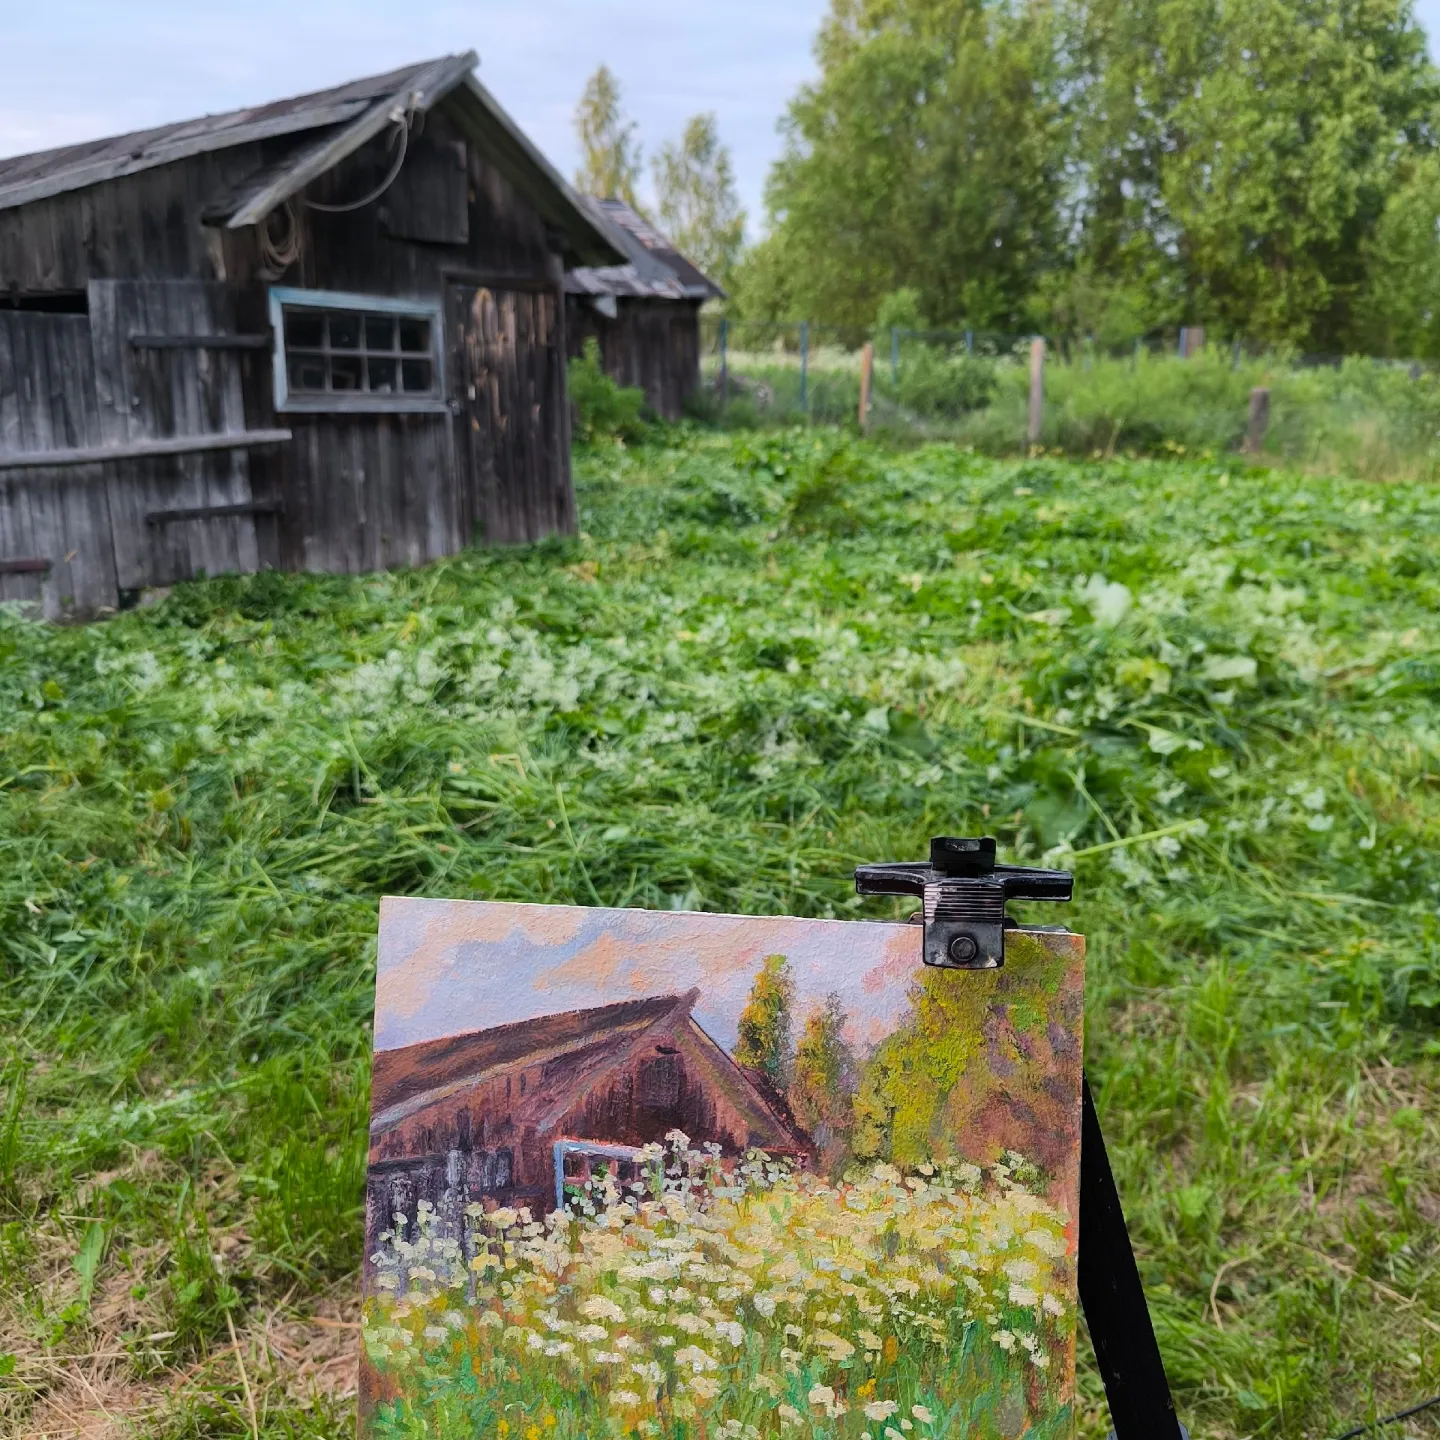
(1170, 391)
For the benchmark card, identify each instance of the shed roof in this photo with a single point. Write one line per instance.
(326, 127)
(655, 269)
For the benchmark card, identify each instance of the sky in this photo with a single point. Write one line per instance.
(80, 69)
(447, 967)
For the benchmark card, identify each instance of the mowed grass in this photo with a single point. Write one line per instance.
(1216, 694)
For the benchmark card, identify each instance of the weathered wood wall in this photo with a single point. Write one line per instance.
(351, 492)
(652, 344)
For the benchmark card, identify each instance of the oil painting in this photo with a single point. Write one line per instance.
(710, 1177)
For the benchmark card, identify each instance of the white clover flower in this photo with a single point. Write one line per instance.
(599, 1308)
(922, 1414)
(789, 1415)
(880, 1409)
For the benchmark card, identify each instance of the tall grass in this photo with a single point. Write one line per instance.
(1214, 692)
(1360, 417)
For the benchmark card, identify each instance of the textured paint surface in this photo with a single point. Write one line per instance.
(663, 1174)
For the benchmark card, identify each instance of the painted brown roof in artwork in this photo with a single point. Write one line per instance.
(576, 1050)
(403, 1074)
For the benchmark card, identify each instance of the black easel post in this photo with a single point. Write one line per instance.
(1114, 1301)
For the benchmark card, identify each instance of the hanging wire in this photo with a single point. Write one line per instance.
(403, 121)
(1394, 1419)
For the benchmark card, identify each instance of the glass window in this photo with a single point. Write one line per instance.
(339, 350)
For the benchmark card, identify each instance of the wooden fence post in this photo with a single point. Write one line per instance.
(1259, 419)
(1192, 340)
(1037, 391)
(867, 366)
(895, 355)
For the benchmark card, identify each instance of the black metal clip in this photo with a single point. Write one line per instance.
(963, 893)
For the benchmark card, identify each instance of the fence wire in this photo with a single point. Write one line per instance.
(1168, 391)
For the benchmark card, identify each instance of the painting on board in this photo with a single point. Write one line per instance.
(683, 1177)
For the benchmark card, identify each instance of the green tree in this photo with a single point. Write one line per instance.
(609, 153)
(927, 154)
(1231, 159)
(1398, 310)
(696, 202)
(968, 1077)
(764, 1043)
(822, 1086)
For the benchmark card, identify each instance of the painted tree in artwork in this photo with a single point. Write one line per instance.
(974, 1072)
(822, 1085)
(609, 152)
(765, 1042)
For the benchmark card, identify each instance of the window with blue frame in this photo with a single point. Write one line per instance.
(355, 352)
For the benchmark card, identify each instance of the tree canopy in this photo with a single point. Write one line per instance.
(1262, 167)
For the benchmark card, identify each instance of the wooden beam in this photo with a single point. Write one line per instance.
(430, 85)
(140, 449)
(200, 342)
(179, 147)
(32, 565)
(1035, 421)
(212, 512)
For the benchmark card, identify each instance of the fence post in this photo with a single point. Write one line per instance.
(1037, 390)
(867, 365)
(804, 366)
(724, 369)
(1259, 419)
(969, 342)
(895, 355)
(1192, 340)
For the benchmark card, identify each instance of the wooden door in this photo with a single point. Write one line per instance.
(175, 516)
(513, 423)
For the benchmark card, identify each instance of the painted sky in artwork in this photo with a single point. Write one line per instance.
(451, 966)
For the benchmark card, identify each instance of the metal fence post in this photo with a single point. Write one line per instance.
(804, 366)
(724, 369)
(969, 342)
(895, 355)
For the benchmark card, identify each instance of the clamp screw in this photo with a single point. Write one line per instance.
(963, 949)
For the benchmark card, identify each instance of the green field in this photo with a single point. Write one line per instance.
(1215, 693)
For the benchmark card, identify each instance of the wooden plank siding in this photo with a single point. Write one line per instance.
(60, 516)
(653, 345)
(349, 492)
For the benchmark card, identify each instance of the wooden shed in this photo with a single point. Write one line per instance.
(645, 314)
(514, 1112)
(326, 333)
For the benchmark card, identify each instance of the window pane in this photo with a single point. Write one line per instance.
(415, 376)
(382, 375)
(379, 332)
(346, 372)
(415, 336)
(307, 372)
(304, 329)
(344, 331)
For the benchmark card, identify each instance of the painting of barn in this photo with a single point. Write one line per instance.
(513, 1113)
(655, 1175)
